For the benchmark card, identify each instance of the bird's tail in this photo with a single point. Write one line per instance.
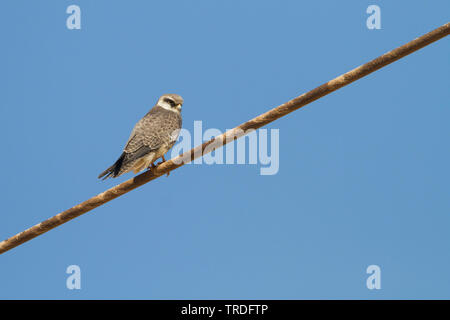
(114, 170)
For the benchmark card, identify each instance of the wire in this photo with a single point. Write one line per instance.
(226, 137)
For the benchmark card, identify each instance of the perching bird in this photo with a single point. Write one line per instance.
(151, 137)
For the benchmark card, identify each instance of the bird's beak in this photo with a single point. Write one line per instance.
(179, 107)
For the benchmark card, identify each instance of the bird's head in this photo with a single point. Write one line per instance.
(171, 102)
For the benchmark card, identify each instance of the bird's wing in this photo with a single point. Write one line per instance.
(154, 130)
(144, 138)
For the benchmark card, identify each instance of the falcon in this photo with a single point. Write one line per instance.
(151, 138)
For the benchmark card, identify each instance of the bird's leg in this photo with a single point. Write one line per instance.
(163, 160)
(151, 166)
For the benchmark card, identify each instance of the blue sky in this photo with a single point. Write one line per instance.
(363, 177)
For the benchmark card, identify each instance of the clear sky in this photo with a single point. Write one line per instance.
(363, 173)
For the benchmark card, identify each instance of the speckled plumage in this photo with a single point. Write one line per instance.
(151, 137)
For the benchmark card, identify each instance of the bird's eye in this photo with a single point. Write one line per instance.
(171, 102)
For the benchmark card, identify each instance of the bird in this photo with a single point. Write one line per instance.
(151, 138)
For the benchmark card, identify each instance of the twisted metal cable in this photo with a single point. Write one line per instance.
(226, 137)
